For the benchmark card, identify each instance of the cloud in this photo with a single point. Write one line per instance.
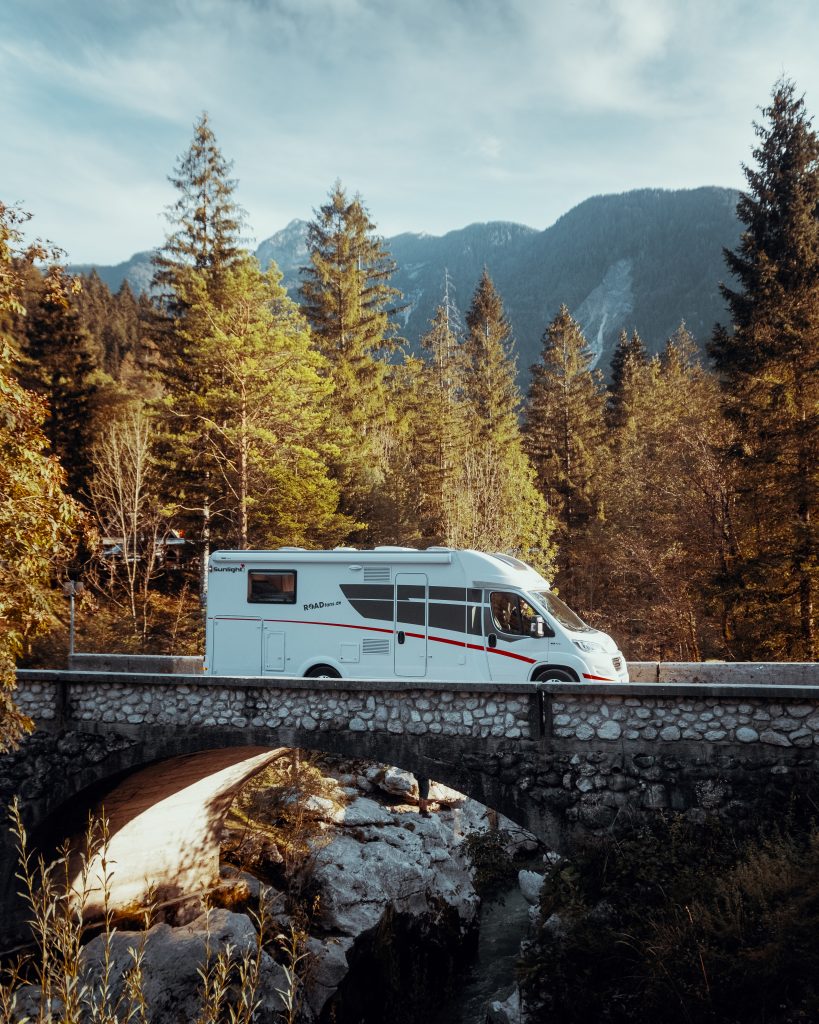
(440, 112)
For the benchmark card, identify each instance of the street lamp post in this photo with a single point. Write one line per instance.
(71, 589)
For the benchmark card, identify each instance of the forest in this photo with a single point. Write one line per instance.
(674, 507)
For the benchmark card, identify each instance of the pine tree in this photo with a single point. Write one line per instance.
(349, 302)
(246, 410)
(205, 221)
(564, 432)
(666, 516)
(204, 243)
(493, 392)
(769, 366)
(499, 507)
(627, 367)
(113, 323)
(440, 434)
(57, 364)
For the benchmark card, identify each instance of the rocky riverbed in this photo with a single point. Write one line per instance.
(385, 914)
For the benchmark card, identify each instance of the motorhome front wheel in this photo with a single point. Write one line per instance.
(554, 675)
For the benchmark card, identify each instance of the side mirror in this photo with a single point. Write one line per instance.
(537, 627)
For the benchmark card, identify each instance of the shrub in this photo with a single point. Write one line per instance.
(680, 923)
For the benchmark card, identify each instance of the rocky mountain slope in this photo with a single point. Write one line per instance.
(646, 259)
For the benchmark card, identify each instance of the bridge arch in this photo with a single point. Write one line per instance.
(165, 796)
(560, 759)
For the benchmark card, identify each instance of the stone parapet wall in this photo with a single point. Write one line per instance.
(167, 664)
(40, 700)
(789, 723)
(764, 673)
(642, 714)
(309, 705)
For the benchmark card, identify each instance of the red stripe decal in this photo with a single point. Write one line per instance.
(508, 654)
(444, 640)
(340, 625)
(415, 636)
(602, 679)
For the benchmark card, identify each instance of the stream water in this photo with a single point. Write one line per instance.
(503, 926)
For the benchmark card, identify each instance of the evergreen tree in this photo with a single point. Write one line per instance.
(205, 221)
(57, 364)
(769, 366)
(666, 518)
(564, 432)
(246, 412)
(499, 507)
(93, 308)
(627, 367)
(493, 393)
(440, 429)
(204, 243)
(112, 323)
(349, 302)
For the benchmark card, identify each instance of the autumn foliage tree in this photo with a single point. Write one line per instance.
(37, 518)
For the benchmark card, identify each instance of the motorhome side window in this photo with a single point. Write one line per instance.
(271, 587)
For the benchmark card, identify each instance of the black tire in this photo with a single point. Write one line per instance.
(553, 675)
(322, 672)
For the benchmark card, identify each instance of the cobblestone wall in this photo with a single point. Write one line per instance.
(770, 723)
(319, 707)
(560, 759)
(750, 715)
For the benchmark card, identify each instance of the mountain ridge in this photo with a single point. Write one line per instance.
(644, 259)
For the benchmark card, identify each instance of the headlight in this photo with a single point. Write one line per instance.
(588, 645)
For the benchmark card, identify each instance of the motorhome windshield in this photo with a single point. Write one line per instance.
(562, 612)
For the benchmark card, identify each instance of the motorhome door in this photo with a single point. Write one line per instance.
(511, 646)
(272, 648)
(411, 604)
(237, 646)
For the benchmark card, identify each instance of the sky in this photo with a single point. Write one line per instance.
(439, 113)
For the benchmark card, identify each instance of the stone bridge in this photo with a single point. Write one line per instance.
(165, 754)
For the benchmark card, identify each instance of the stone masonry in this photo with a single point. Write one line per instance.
(198, 702)
(561, 759)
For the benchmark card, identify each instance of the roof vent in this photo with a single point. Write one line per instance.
(515, 563)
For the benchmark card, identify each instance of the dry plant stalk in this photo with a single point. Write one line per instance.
(55, 975)
(65, 989)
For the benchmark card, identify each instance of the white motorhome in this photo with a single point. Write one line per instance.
(393, 612)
